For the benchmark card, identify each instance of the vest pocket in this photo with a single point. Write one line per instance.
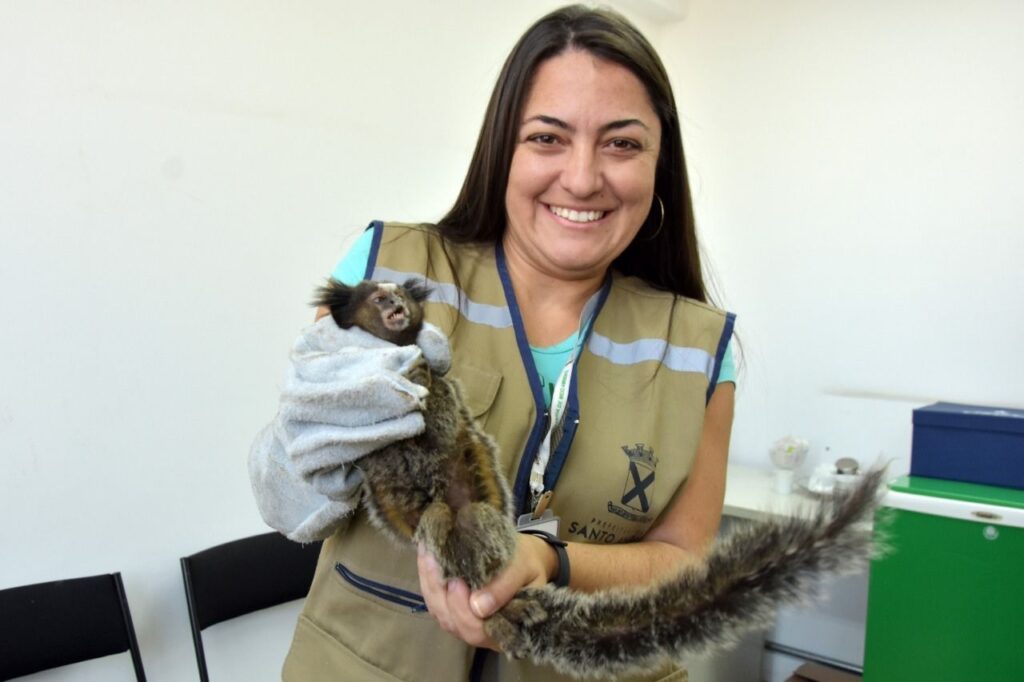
(479, 387)
(394, 595)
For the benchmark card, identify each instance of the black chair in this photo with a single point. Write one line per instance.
(243, 576)
(52, 624)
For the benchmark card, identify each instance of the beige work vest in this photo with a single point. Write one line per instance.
(633, 422)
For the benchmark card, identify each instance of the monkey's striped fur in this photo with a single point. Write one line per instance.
(444, 488)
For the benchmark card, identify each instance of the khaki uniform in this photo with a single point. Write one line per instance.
(633, 422)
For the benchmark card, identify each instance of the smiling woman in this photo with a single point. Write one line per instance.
(567, 278)
(581, 182)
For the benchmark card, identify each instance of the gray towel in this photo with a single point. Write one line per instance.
(345, 396)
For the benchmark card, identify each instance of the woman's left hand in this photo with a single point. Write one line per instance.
(462, 612)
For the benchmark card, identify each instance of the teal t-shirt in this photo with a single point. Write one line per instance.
(549, 360)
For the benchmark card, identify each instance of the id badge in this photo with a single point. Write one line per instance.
(546, 522)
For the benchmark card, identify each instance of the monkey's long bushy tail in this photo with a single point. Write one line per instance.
(750, 573)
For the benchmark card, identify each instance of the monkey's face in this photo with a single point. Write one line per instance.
(393, 312)
(392, 306)
(390, 311)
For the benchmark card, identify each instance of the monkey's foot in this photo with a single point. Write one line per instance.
(434, 528)
(481, 543)
(514, 625)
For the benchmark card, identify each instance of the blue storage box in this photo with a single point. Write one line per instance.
(969, 443)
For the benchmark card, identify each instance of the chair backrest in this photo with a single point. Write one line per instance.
(51, 624)
(243, 576)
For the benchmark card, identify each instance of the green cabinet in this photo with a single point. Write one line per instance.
(947, 601)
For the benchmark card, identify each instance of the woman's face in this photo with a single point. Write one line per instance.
(582, 176)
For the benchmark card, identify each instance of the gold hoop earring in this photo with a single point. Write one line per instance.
(661, 223)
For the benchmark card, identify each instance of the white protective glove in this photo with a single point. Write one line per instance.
(346, 395)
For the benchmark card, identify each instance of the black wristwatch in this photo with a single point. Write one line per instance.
(562, 576)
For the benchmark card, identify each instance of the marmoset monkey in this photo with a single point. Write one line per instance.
(444, 488)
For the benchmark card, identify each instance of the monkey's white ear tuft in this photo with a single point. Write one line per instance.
(435, 348)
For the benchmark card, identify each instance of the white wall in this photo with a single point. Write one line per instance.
(176, 177)
(856, 168)
(857, 171)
